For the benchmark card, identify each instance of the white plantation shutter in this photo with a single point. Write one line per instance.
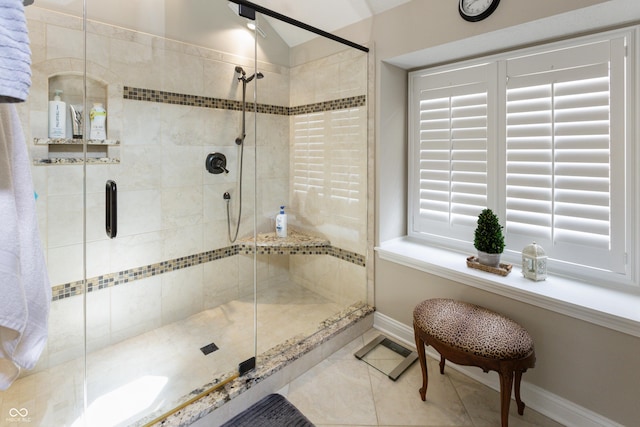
(542, 136)
(559, 162)
(450, 161)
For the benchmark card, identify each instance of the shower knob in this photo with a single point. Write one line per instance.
(216, 163)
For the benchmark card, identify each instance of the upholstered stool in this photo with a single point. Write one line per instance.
(467, 334)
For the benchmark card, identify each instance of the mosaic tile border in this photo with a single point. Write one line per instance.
(336, 104)
(152, 95)
(352, 257)
(68, 290)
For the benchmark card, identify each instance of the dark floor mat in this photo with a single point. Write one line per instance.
(272, 411)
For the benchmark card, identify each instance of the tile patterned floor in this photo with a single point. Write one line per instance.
(155, 370)
(344, 391)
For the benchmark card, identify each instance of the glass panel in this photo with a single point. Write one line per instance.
(176, 310)
(52, 392)
(312, 151)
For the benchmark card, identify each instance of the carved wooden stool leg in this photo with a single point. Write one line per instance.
(506, 384)
(423, 364)
(516, 386)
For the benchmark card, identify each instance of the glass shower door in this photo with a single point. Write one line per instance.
(312, 151)
(52, 392)
(170, 303)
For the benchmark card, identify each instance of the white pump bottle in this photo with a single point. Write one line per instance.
(57, 117)
(281, 223)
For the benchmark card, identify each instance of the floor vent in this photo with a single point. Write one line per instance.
(209, 348)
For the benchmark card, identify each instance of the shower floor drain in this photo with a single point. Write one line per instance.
(209, 348)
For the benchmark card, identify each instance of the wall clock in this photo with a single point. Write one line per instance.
(477, 10)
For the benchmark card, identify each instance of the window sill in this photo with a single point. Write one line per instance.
(610, 308)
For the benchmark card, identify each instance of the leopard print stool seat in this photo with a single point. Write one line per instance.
(468, 334)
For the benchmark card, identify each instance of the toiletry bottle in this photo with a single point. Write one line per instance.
(98, 117)
(281, 223)
(57, 116)
(76, 121)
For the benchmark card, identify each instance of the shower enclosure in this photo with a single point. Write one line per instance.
(153, 296)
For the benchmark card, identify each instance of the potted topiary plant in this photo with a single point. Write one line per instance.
(488, 238)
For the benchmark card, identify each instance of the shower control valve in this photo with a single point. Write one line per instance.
(216, 163)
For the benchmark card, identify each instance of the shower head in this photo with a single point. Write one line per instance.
(243, 75)
(259, 75)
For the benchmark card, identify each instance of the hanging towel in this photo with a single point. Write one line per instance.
(15, 54)
(24, 283)
(13, 303)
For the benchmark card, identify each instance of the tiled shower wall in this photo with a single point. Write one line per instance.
(170, 208)
(328, 164)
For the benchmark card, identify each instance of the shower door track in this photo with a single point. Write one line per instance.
(299, 24)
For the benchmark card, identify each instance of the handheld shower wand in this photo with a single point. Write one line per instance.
(240, 71)
(245, 80)
(242, 77)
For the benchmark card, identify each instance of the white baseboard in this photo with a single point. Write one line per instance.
(539, 399)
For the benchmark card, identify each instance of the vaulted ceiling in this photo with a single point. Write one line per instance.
(327, 15)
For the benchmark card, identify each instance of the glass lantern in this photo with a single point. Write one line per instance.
(534, 262)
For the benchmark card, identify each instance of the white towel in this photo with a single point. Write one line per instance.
(24, 284)
(15, 54)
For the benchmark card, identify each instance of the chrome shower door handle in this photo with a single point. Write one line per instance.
(111, 209)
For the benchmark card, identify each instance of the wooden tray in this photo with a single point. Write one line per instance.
(501, 269)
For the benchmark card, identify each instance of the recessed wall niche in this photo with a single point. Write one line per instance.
(70, 148)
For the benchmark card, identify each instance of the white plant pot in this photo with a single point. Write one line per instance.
(492, 260)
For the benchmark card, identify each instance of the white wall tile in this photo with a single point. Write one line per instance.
(98, 319)
(139, 212)
(136, 250)
(182, 292)
(64, 264)
(66, 330)
(135, 308)
(220, 281)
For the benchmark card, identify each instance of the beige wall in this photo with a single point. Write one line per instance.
(420, 24)
(592, 366)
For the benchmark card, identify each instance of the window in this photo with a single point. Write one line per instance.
(451, 150)
(540, 136)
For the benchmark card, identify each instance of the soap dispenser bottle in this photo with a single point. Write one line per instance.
(57, 116)
(281, 223)
(98, 118)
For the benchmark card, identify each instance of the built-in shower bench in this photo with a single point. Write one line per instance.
(296, 243)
